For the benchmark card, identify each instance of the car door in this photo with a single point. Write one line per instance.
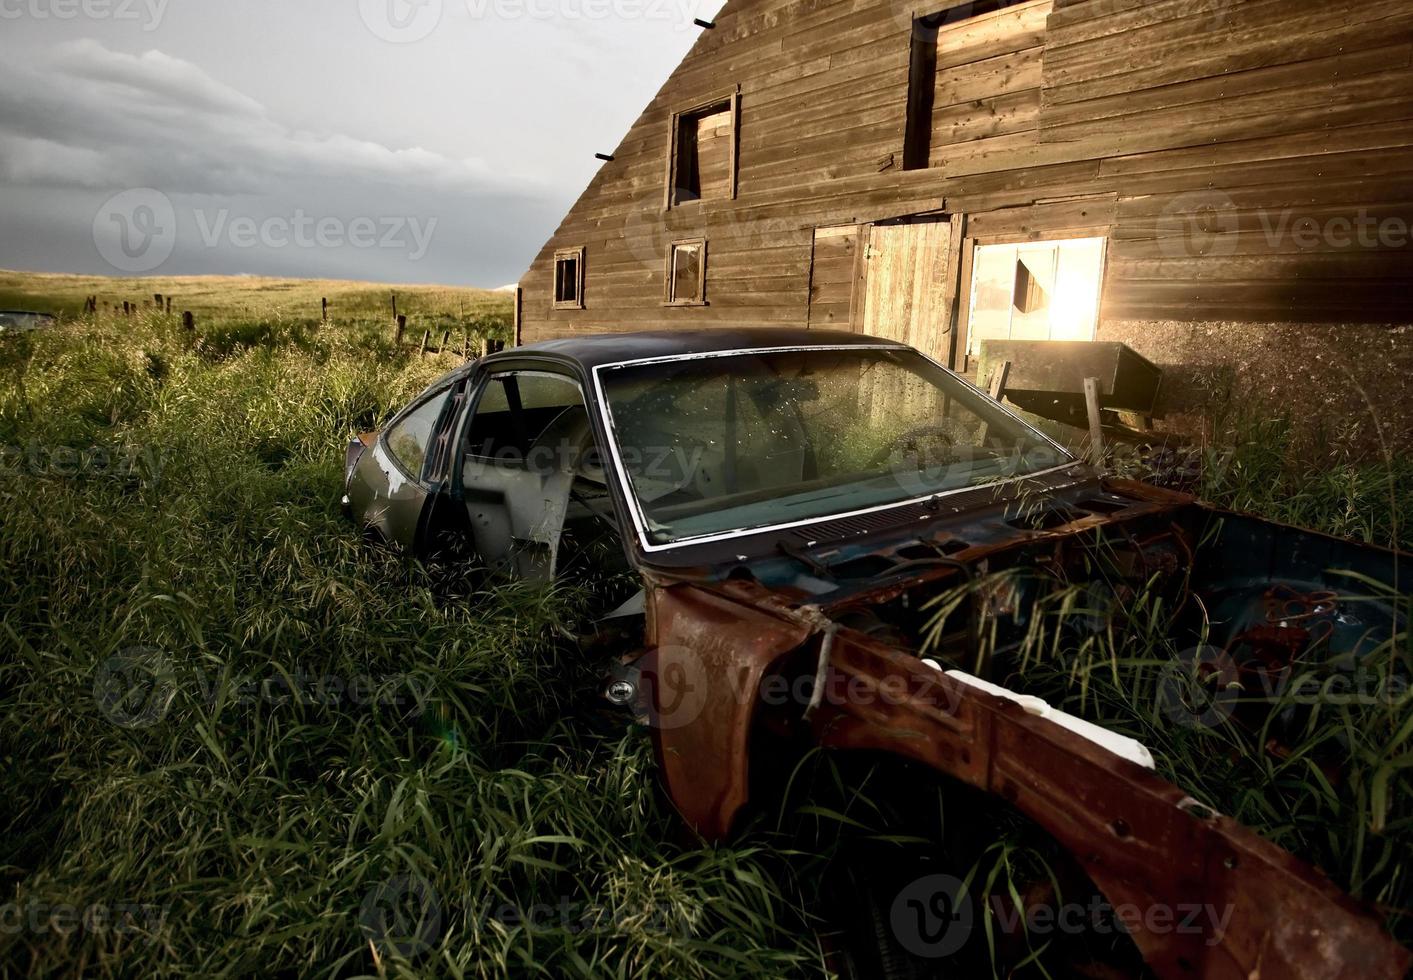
(525, 446)
(400, 483)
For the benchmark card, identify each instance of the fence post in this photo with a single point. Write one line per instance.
(188, 321)
(426, 339)
(446, 342)
(169, 306)
(398, 330)
(1096, 425)
(325, 306)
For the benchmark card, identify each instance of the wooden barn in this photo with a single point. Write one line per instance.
(1224, 185)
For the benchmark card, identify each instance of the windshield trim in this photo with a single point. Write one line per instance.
(635, 511)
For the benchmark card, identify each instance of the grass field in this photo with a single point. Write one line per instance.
(335, 740)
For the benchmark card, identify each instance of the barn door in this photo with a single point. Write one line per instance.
(907, 295)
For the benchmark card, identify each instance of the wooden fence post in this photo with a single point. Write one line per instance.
(188, 321)
(398, 331)
(394, 305)
(325, 306)
(169, 306)
(426, 339)
(446, 342)
(1096, 426)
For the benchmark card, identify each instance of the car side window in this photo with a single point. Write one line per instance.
(410, 437)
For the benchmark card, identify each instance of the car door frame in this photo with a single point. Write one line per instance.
(514, 362)
(393, 520)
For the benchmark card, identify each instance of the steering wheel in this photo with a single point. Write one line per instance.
(929, 444)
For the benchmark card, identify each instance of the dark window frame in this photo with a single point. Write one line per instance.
(699, 299)
(731, 101)
(575, 255)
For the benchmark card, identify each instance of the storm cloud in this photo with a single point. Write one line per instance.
(142, 161)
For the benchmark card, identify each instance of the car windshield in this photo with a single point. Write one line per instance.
(740, 441)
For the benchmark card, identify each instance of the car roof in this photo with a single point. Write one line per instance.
(592, 350)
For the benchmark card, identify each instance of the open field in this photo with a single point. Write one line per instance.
(250, 296)
(332, 739)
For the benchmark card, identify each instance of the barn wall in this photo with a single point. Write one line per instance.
(1251, 161)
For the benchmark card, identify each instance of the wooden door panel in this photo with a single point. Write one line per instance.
(905, 284)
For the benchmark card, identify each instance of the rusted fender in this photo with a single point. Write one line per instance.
(1140, 839)
(703, 672)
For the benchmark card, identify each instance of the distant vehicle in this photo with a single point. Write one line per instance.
(19, 321)
(790, 504)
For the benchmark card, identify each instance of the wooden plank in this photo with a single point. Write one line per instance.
(1204, 91)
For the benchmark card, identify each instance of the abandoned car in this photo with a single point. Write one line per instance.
(791, 504)
(21, 321)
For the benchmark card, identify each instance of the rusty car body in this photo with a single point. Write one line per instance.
(793, 503)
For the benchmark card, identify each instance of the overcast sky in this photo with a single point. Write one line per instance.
(389, 140)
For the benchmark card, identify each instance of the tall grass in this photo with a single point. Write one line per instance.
(169, 525)
(183, 612)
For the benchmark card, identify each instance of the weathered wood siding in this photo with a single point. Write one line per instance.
(1222, 145)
